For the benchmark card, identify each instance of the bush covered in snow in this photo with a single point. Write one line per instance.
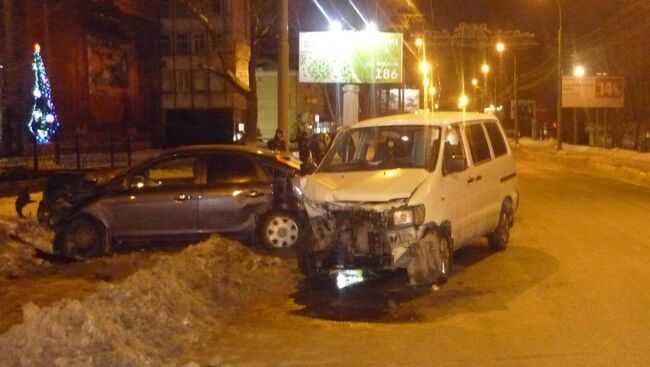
(150, 319)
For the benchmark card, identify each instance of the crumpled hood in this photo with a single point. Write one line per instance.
(365, 186)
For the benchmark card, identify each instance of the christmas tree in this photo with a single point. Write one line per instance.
(43, 123)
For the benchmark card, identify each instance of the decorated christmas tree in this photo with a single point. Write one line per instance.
(43, 123)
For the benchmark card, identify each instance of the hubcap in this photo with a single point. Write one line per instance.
(282, 232)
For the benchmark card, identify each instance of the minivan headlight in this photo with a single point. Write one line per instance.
(408, 216)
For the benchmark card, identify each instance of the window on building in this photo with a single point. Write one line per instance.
(182, 44)
(167, 81)
(200, 81)
(217, 6)
(183, 81)
(478, 144)
(166, 8)
(198, 43)
(165, 44)
(216, 42)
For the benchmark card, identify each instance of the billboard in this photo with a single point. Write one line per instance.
(350, 57)
(593, 91)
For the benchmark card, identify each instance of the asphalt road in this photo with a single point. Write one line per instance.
(571, 289)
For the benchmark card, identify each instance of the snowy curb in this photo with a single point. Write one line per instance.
(152, 318)
(626, 165)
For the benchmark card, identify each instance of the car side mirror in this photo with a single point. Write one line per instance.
(307, 168)
(455, 164)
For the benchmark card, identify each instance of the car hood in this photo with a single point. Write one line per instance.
(364, 186)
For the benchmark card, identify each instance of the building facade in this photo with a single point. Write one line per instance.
(205, 54)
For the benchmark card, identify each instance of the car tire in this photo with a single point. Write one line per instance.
(84, 238)
(280, 230)
(498, 239)
(431, 260)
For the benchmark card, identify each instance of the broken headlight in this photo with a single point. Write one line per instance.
(409, 216)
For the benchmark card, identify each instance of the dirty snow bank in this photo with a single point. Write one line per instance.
(627, 165)
(18, 240)
(151, 318)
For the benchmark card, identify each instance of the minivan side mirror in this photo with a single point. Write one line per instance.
(453, 163)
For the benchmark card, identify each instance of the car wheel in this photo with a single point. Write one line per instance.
(280, 230)
(431, 260)
(83, 238)
(498, 239)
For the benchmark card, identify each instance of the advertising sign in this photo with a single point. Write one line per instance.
(593, 91)
(350, 57)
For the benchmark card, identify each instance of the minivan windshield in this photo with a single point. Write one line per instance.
(383, 147)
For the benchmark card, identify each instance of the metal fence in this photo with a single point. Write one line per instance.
(78, 152)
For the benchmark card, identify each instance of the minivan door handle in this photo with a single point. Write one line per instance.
(470, 180)
(254, 194)
(479, 178)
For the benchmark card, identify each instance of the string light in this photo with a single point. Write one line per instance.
(43, 122)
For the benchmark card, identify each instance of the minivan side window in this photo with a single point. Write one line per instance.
(454, 145)
(478, 144)
(496, 138)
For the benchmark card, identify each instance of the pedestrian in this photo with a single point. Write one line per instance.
(317, 147)
(278, 142)
(303, 146)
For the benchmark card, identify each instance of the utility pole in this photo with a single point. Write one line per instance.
(283, 70)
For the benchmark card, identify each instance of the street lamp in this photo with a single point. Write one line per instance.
(501, 47)
(559, 77)
(424, 68)
(475, 87)
(578, 71)
(432, 93)
(463, 101)
(485, 69)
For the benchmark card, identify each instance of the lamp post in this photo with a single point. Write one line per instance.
(424, 68)
(485, 69)
(559, 78)
(474, 87)
(501, 47)
(578, 71)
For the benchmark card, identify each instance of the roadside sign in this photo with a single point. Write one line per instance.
(593, 91)
(350, 57)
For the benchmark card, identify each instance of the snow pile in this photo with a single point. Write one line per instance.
(628, 165)
(18, 240)
(152, 317)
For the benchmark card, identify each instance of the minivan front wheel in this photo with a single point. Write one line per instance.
(431, 260)
(498, 239)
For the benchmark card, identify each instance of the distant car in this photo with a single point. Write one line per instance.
(235, 190)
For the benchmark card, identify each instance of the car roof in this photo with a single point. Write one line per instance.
(250, 149)
(278, 156)
(438, 118)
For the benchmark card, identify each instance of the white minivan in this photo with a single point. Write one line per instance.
(405, 191)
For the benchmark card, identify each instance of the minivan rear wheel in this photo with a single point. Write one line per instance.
(431, 260)
(498, 239)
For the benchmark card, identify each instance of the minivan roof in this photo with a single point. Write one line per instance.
(425, 118)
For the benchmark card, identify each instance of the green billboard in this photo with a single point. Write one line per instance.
(350, 57)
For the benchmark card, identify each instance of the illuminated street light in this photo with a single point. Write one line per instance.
(371, 27)
(485, 68)
(425, 67)
(475, 82)
(336, 26)
(463, 101)
(419, 42)
(433, 90)
(500, 47)
(579, 71)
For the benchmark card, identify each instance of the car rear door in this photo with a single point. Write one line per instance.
(161, 200)
(237, 191)
(481, 177)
